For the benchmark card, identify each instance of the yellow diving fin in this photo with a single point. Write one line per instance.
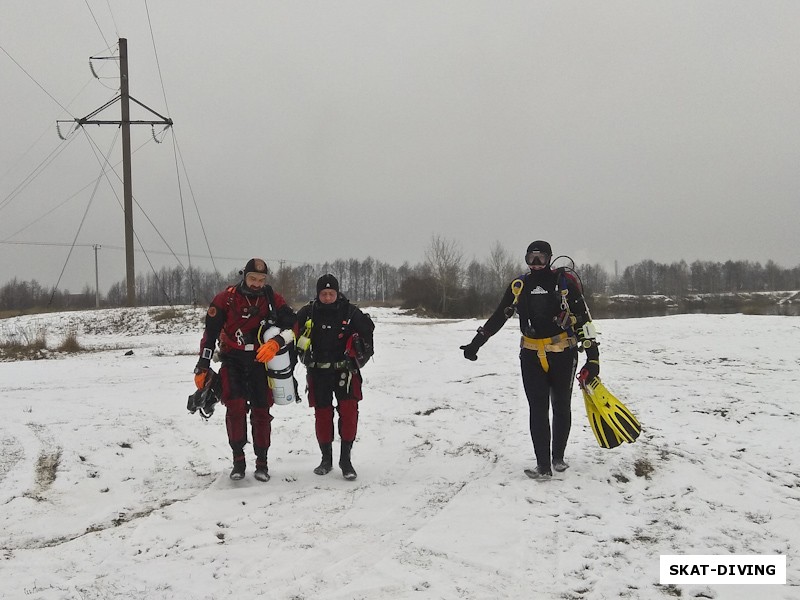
(611, 421)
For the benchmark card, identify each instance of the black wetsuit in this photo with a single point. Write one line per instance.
(547, 382)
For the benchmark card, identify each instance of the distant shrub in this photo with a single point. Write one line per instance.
(166, 314)
(70, 343)
(24, 344)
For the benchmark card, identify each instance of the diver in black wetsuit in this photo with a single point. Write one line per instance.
(555, 324)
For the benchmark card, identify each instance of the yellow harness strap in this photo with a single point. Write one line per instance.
(542, 346)
(516, 289)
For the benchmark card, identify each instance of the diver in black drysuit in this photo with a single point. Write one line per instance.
(552, 331)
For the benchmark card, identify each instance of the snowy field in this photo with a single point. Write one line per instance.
(111, 490)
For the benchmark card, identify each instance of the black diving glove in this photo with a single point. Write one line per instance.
(589, 371)
(201, 372)
(591, 368)
(471, 349)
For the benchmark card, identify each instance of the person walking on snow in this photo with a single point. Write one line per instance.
(555, 325)
(233, 320)
(334, 342)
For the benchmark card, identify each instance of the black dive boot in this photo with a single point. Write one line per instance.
(238, 468)
(348, 472)
(540, 473)
(326, 466)
(262, 471)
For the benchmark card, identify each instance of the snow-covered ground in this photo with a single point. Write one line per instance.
(110, 489)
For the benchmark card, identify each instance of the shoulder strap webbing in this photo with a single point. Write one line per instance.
(566, 319)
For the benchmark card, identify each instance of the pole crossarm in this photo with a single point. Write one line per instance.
(82, 122)
(88, 120)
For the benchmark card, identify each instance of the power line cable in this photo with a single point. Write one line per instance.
(83, 220)
(104, 172)
(31, 77)
(49, 212)
(96, 23)
(194, 201)
(113, 20)
(13, 167)
(40, 168)
(52, 210)
(155, 52)
(183, 215)
(237, 259)
(57, 244)
(139, 206)
(174, 147)
(35, 173)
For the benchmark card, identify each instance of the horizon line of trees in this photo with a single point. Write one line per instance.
(444, 284)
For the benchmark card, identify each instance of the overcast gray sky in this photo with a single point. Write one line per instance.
(618, 131)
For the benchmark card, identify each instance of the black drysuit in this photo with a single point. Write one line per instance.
(329, 372)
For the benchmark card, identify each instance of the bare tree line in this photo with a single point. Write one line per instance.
(445, 283)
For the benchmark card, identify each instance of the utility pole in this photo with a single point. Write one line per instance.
(125, 124)
(127, 184)
(96, 278)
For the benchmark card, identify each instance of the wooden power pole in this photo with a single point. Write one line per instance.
(127, 184)
(125, 124)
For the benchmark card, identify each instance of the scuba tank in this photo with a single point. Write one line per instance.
(279, 371)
